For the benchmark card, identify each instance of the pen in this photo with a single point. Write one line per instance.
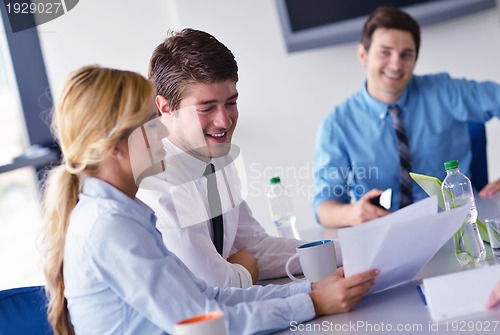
(421, 293)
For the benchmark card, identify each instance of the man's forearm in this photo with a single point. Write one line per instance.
(334, 214)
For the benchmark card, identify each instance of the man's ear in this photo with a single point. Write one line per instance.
(163, 105)
(362, 54)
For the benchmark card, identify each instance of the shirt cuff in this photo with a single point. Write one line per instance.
(244, 276)
(304, 287)
(301, 308)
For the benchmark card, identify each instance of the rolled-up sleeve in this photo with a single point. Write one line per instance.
(331, 165)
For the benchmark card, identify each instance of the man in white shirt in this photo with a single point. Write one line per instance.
(195, 77)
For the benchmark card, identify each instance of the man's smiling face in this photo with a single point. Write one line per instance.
(389, 62)
(205, 121)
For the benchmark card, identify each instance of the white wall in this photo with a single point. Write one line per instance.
(114, 33)
(283, 97)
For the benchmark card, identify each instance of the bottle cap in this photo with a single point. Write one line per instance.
(275, 180)
(450, 165)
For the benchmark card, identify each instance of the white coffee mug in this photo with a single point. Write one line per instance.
(317, 260)
(211, 323)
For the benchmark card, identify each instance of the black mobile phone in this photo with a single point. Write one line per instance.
(384, 200)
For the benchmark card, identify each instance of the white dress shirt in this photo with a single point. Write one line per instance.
(120, 279)
(179, 199)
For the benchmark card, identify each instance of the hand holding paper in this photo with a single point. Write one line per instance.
(399, 244)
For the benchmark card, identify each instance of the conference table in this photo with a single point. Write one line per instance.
(401, 309)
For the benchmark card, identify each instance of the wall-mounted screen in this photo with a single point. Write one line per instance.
(308, 24)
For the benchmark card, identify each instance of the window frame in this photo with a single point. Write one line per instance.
(33, 85)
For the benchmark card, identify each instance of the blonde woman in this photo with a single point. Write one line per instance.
(106, 266)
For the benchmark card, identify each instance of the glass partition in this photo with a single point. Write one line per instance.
(19, 196)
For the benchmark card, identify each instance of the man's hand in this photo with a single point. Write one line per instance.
(363, 210)
(336, 215)
(490, 189)
(336, 294)
(244, 258)
(494, 298)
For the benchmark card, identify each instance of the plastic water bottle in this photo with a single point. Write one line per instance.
(282, 213)
(457, 191)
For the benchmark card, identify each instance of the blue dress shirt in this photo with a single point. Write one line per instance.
(120, 279)
(356, 149)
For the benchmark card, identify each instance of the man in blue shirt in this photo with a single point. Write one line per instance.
(357, 149)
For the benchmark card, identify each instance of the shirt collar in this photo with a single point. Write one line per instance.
(182, 167)
(97, 188)
(378, 108)
(179, 162)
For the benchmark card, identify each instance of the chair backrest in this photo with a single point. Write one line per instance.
(479, 165)
(24, 311)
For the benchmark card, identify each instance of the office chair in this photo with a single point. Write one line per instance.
(479, 166)
(24, 311)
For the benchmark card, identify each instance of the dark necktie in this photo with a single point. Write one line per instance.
(405, 182)
(215, 208)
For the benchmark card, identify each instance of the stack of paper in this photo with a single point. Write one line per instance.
(461, 293)
(399, 244)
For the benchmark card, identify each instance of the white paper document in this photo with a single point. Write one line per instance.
(399, 244)
(460, 293)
